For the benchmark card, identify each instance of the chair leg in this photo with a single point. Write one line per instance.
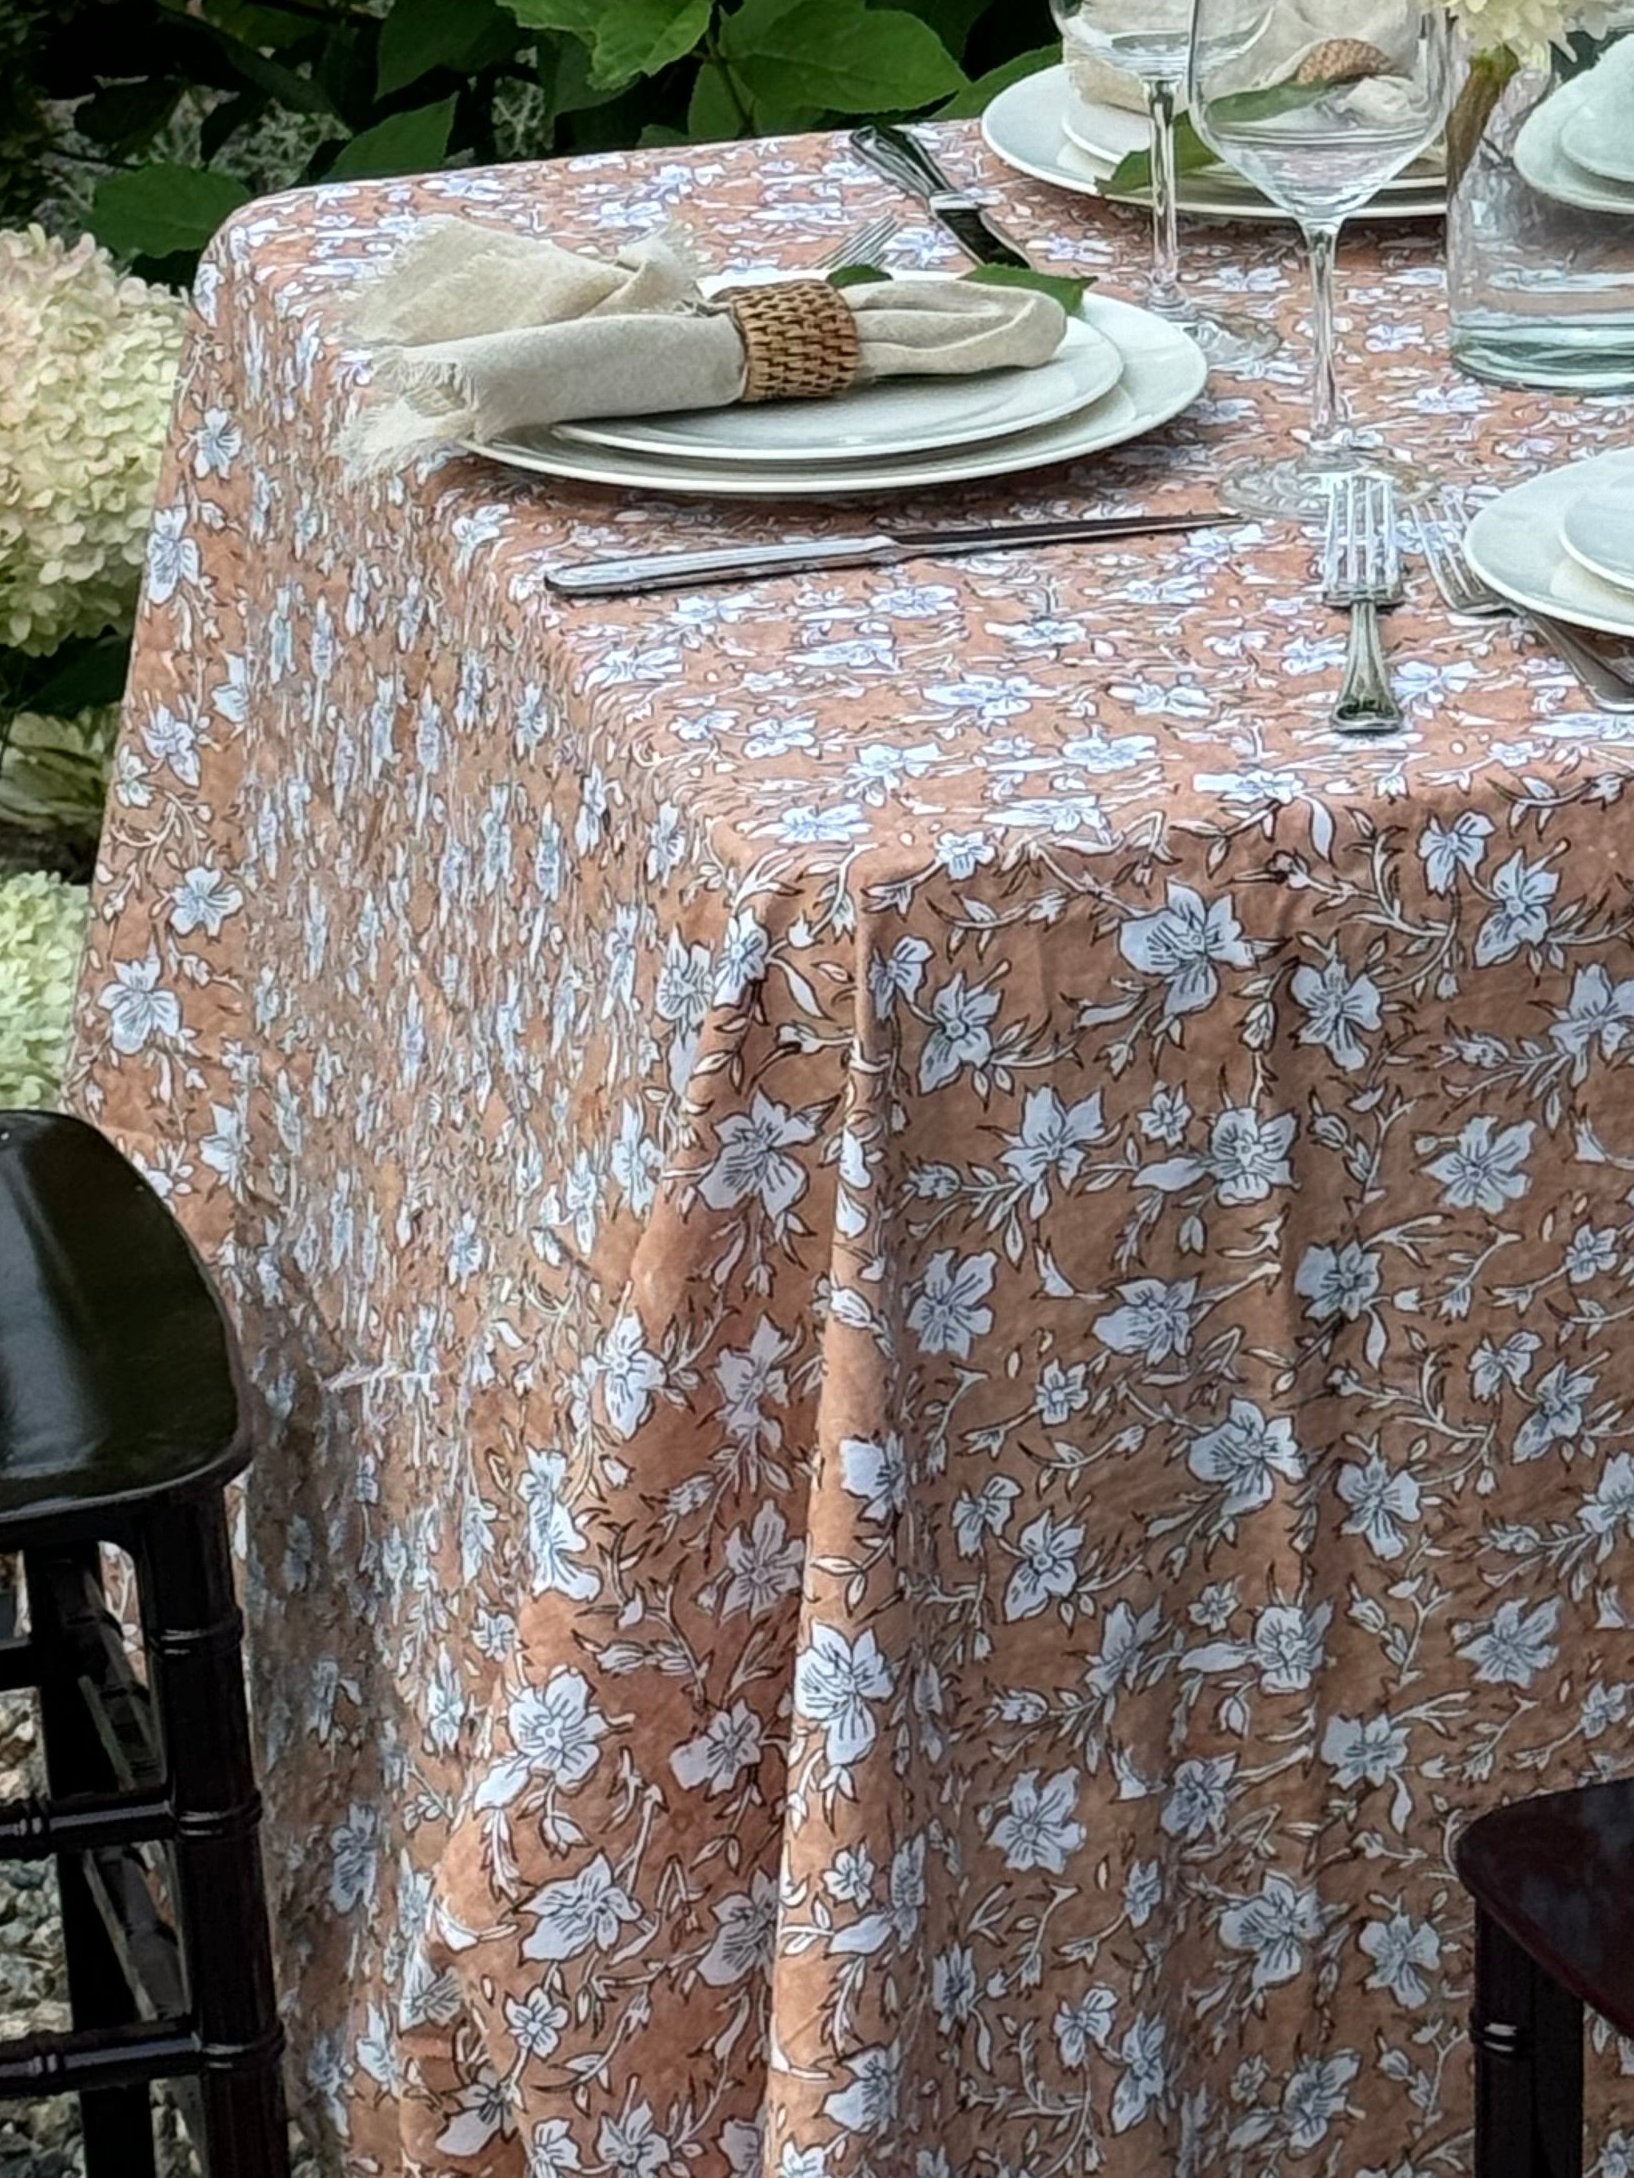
(117, 2122)
(1528, 2035)
(195, 1666)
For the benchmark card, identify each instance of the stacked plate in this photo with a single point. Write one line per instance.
(1563, 543)
(1577, 145)
(1119, 373)
(1042, 127)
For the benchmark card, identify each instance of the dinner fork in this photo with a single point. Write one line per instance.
(866, 246)
(1361, 575)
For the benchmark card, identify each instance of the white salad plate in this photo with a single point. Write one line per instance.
(1108, 134)
(1025, 126)
(1542, 160)
(898, 416)
(1598, 531)
(1163, 372)
(1516, 544)
(1596, 134)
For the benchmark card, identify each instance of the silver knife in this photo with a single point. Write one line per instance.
(881, 548)
(902, 158)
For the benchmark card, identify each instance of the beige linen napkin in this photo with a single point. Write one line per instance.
(1297, 31)
(477, 333)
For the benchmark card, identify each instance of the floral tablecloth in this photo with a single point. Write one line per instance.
(943, 1300)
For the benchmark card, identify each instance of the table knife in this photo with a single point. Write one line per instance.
(901, 158)
(880, 548)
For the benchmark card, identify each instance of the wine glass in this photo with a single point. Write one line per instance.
(1319, 120)
(1148, 39)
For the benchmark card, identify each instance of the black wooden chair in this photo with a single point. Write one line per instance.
(121, 1422)
(1553, 1882)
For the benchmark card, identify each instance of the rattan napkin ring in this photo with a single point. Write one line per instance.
(800, 339)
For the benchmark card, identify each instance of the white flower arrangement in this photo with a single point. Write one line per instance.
(87, 365)
(42, 928)
(1527, 28)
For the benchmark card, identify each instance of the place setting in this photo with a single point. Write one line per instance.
(1576, 146)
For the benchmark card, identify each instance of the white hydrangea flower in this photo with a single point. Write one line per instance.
(1528, 27)
(42, 926)
(87, 364)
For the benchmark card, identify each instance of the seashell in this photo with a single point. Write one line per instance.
(1343, 60)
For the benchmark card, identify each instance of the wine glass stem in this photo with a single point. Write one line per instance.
(1165, 293)
(1330, 417)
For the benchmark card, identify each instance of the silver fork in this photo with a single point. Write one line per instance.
(1441, 527)
(867, 246)
(1361, 575)
(1441, 523)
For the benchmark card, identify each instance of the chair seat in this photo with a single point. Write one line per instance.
(1557, 1874)
(118, 1375)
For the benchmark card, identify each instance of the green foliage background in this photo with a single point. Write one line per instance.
(149, 120)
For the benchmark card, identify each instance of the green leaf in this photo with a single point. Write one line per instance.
(1068, 289)
(404, 143)
(159, 210)
(834, 56)
(856, 276)
(1191, 154)
(627, 38)
(419, 35)
(976, 97)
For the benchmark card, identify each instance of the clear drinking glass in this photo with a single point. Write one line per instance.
(1319, 120)
(1148, 39)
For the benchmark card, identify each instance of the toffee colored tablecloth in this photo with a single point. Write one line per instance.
(944, 1301)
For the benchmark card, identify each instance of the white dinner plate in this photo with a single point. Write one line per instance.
(1163, 373)
(1515, 545)
(1542, 160)
(1109, 134)
(1598, 531)
(1596, 134)
(899, 416)
(1025, 127)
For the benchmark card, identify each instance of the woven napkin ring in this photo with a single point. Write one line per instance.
(800, 339)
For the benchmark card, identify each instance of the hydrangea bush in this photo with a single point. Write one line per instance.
(87, 363)
(42, 927)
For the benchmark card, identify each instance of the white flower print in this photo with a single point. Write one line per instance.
(1244, 1454)
(1484, 1170)
(139, 1010)
(946, 1312)
(960, 1035)
(1246, 1158)
(1155, 1321)
(1599, 1016)
(744, 1937)
(764, 1564)
(1196, 1803)
(1061, 1393)
(753, 1160)
(554, 1538)
(203, 901)
(1492, 1367)
(1514, 1644)
(1610, 1505)
(535, 2021)
(1046, 1567)
(1037, 1828)
(1275, 1925)
(1167, 1116)
(354, 1855)
(1365, 1750)
(1382, 1501)
(869, 2104)
(729, 1744)
(552, 2150)
(1144, 2084)
(1084, 2025)
(173, 556)
(1336, 1005)
(1314, 2097)
(1403, 1951)
(1184, 944)
(579, 1913)
(835, 1681)
(631, 2146)
(1589, 1253)
(984, 1513)
(742, 959)
(1521, 892)
(954, 1988)
(485, 2108)
(752, 1378)
(1051, 1143)
(1557, 1413)
(555, 1730)
(630, 1374)
(1447, 849)
(897, 974)
(1338, 1281)
(876, 1472)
